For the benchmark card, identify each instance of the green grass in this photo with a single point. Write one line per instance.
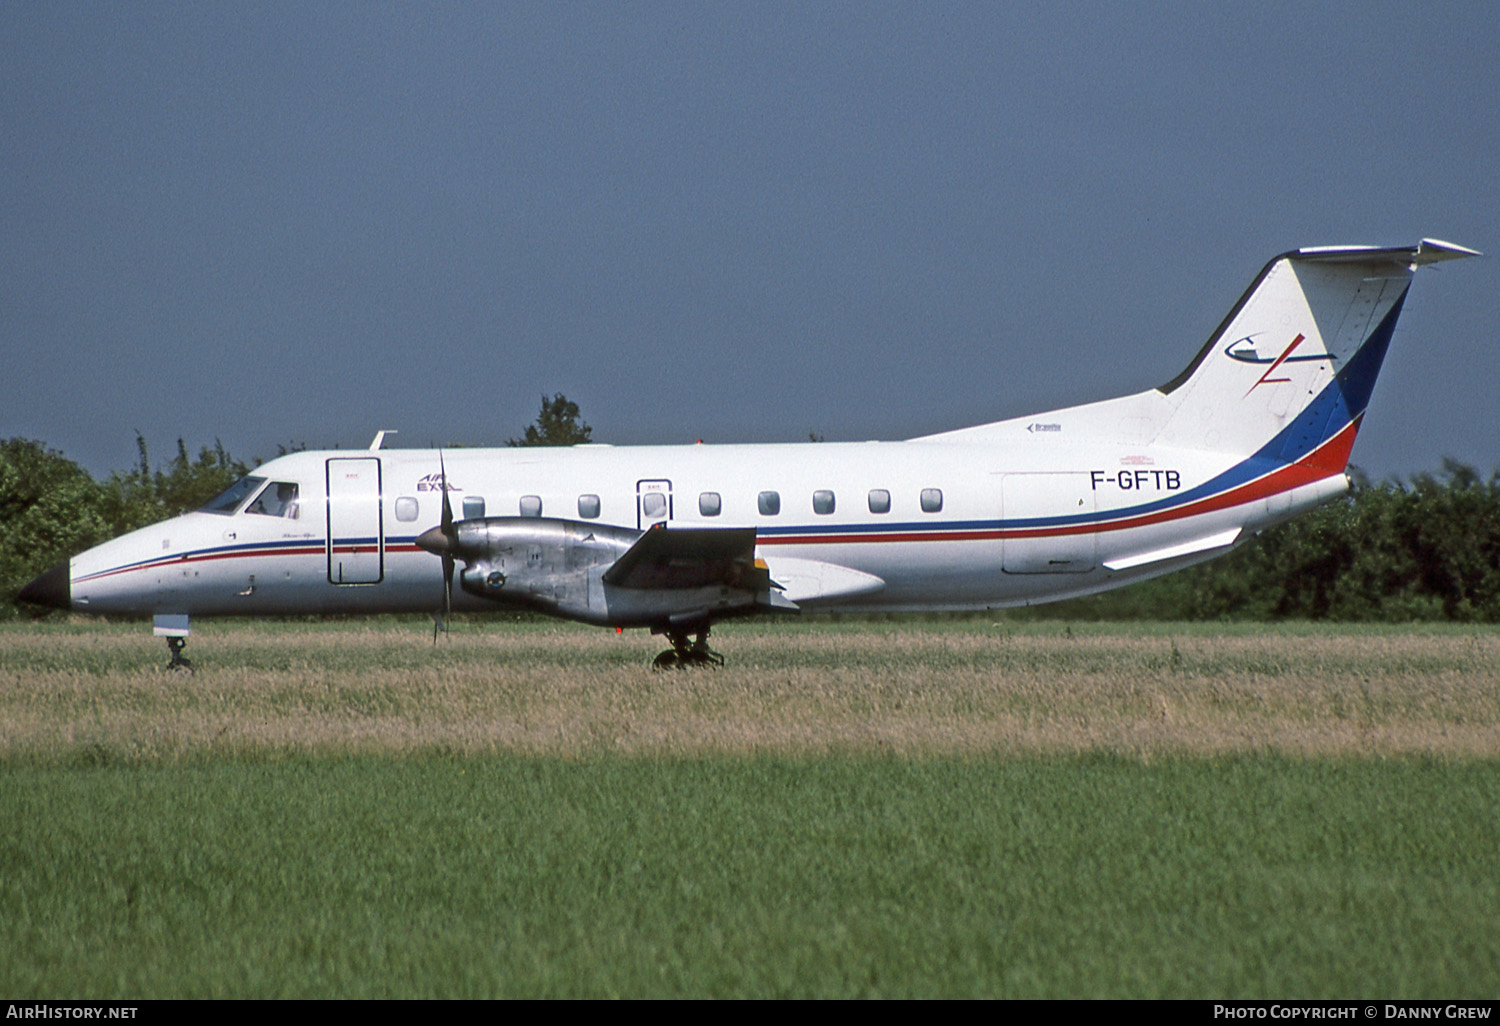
(920, 689)
(895, 807)
(512, 876)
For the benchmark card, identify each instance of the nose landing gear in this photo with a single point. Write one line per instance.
(179, 663)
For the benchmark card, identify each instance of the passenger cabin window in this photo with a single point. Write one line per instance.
(880, 500)
(709, 504)
(653, 505)
(230, 498)
(531, 505)
(932, 500)
(769, 503)
(822, 502)
(277, 499)
(588, 506)
(406, 509)
(473, 507)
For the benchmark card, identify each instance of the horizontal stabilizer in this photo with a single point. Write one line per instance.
(1214, 541)
(1428, 251)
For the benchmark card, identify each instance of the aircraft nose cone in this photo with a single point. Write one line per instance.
(434, 541)
(53, 588)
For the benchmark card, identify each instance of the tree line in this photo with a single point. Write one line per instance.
(51, 508)
(1424, 549)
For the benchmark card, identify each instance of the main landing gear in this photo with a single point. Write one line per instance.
(685, 654)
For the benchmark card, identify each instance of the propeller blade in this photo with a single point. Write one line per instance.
(447, 588)
(452, 535)
(445, 543)
(447, 521)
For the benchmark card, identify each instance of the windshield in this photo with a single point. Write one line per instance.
(229, 500)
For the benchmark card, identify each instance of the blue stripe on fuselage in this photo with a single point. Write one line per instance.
(1344, 399)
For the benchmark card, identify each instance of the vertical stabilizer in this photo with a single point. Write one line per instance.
(1290, 371)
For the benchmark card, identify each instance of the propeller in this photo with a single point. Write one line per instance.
(451, 537)
(443, 541)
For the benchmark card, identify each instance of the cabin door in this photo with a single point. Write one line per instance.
(356, 542)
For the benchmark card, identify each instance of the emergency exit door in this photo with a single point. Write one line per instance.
(653, 503)
(356, 542)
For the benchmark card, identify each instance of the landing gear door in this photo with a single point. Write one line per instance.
(356, 542)
(653, 503)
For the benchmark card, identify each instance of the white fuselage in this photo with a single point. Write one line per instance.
(1003, 525)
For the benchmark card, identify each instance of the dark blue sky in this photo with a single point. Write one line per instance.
(299, 223)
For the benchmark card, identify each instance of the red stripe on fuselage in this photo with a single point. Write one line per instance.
(1331, 458)
(157, 564)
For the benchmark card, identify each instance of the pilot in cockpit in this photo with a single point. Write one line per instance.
(279, 499)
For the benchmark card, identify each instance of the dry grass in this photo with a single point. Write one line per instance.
(99, 691)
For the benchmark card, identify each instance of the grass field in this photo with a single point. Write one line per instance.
(947, 808)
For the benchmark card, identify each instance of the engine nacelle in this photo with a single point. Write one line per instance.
(608, 575)
(549, 564)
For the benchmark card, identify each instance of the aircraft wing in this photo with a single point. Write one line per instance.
(666, 559)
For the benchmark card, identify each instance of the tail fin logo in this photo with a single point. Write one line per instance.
(1245, 351)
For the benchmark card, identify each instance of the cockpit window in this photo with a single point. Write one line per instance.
(229, 500)
(278, 499)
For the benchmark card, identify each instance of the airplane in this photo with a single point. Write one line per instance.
(1256, 429)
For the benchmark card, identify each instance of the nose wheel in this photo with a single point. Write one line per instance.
(179, 663)
(685, 654)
